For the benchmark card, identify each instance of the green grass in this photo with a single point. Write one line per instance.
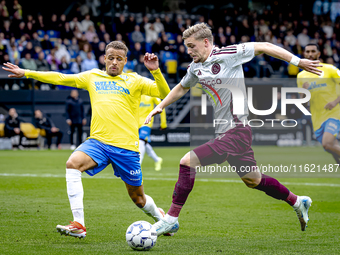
(221, 216)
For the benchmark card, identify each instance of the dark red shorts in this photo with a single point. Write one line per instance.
(233, 146)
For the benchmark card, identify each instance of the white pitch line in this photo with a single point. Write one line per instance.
(162, 179)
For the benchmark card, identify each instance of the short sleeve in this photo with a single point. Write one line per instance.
(245, 52)
(190, 79)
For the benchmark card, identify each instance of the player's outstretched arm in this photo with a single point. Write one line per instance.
(280, 53)
(176, 93)
(47, 77)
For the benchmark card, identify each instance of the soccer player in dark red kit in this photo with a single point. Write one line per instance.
(233, 143)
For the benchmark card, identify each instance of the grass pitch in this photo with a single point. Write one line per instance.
(221, 215)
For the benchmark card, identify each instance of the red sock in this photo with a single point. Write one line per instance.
(175, 210)
(291, 199)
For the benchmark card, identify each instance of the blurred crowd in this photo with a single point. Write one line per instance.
(76, 42)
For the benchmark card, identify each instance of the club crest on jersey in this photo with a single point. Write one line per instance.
(199, 72)
(216, 68)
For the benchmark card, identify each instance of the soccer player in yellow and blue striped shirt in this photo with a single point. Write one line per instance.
(115, 98)
(324, 103)
(145, 107)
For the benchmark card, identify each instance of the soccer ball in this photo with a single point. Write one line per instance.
(141, 235)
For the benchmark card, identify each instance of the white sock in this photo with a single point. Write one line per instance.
(141, 150)
(151, 209)
(151, 152)
(75, 194)
(297, 203)
(170, 219)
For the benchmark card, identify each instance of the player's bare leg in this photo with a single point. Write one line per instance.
(331, 145)
(144, 202)
(77, 163)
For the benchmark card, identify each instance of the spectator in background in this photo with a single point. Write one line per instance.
(101, 63)
(51, 130)
(29, 30)
(13, 53)
(151, 34)
(86, 49)
(144, 22)
(159, 27)
(40, 25)
(303, 37)
(35, 40)
(75, 116)
(168, 24)
(188, 23)
(17, 10)
(100, 50)
(64, 66)
(107, 38)
(77, 32)
(183, 61)
(4, 14)
(136, 51)
(20, 30)
(89, 63)
(28, 49)
(8, 32)
(95, 44)
(74, 46)
(157, 47)
(61, 51)
(46, 43)
(136, 35)
(3, 51)
(122, 27)
(28, 63)
(75, 23)
(87, 22)
(12, 127)
(101, 32)
(41, 63)
(52, 60)
(290, 38)
(76, 65)
(66, 31)
(53, 24)
(90, 33)
(62, 22)
(130, 23)
(179, 25)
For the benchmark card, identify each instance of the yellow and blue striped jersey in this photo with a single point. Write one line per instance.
(114, 100)
(146, 105)
(323, 90)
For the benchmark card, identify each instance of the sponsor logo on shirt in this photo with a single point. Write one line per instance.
(314, 85)
(112, 86)
(142, 104)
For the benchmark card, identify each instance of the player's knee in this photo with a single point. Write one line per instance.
(251, 182)
(72, 163)
(185, 161)
(327, 146)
